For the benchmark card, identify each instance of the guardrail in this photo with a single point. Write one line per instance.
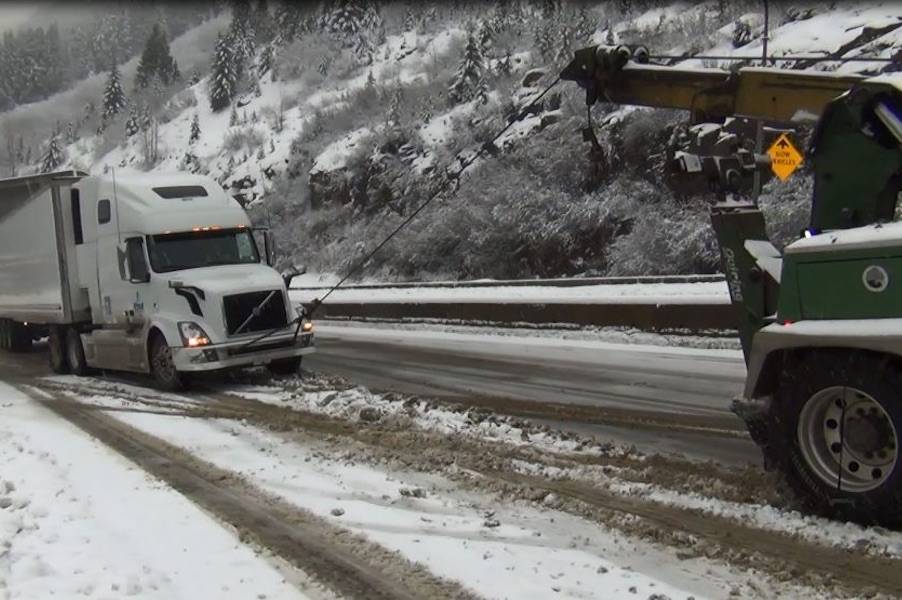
(649, 315)
(566, 282)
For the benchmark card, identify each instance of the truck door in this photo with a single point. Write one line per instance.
(122, 282)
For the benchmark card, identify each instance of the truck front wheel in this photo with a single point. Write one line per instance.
(162, 366)
(840, 417)
(75, 352)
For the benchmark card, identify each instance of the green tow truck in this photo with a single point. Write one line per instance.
(821, 323)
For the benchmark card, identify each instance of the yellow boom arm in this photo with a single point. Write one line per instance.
(615, 74)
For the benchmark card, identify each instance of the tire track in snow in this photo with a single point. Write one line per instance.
(343, 562)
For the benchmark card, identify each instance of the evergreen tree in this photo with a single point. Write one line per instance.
(262, 23)
(132, 126)
(485, 38)
(113, 96)
(409, 21)
(505, 64)
(224, 78)
(156, 60)
(195, 130)
(233, 117)
(70, 132)
(289, 21)
(53, 158)
(353, 23)
(466, 80)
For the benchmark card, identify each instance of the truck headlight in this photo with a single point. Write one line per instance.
(193, 335)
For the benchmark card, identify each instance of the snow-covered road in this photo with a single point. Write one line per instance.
(622, 383)
(78, 520)
(406, 499)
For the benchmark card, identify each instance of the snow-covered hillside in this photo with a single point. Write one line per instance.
(337, 128)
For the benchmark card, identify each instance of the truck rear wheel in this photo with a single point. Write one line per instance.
(162, 366)
(59, 363)
(14, 336)
(840, 417)
(75, 353)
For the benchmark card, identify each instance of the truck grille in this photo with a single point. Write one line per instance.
(239, 307)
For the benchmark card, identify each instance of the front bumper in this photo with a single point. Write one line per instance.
(231, 355)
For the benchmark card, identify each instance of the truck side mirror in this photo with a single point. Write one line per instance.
(269, 247)
(137, 263)
(292, 272)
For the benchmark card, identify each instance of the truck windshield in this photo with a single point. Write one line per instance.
(196, 249)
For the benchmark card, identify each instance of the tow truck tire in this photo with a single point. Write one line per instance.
(162, 367)
(286, 366)
(839, 416)
(75, 353)
(56, 344)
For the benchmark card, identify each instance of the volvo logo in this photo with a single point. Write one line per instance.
(875, 278)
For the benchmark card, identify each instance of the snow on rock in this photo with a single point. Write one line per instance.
(77, 520)
(336, 153)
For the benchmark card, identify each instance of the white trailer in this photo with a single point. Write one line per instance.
(159, 274)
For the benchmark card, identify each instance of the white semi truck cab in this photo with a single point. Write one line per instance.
(158, 274)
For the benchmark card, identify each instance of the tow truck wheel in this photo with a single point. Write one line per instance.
(162, 367)
(286, 366)
(75, 353)
(56, 343)
(841, 425)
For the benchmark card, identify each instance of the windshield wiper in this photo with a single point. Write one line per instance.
(255, 312)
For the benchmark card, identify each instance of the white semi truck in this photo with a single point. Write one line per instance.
(158, 274)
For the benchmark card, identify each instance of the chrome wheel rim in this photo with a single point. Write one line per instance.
(847, 439)
(163, 365)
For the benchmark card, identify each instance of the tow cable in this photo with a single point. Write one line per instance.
(442, 187)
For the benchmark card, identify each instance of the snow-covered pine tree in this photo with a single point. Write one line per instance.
(262, 23)
(485, 36)
(394, 107)
(409, 21)
(469, 73)
(53, 158)
(482, 91)
(224, 78)
(323, 67)
(233, 117)
(610, 38)
(132, 126)
(156, 60)
(70, 132)
(370, 80)
(289, 22)
(195, 129)
(241, 35)
(113, 96)
(505, 63)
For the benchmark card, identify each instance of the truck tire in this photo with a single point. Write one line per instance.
(840, 424)
(285, 366)
(5, 335)
(75, 353)
(21, 337)
(162, 367)
(57, 351)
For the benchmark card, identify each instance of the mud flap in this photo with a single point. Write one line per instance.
(755, 413)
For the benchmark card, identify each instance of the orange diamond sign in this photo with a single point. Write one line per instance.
(784, 158)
